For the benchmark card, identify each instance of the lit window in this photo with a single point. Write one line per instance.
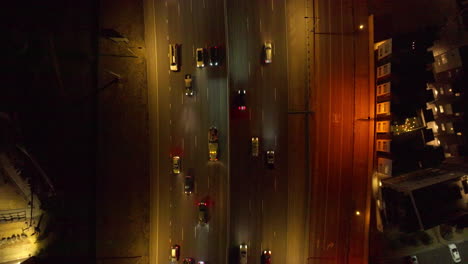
(442, 126)
(459, 133)
(441, 90)
(441, 108)
(444, 58)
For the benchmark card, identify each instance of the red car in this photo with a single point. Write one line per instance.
(266, 257)
(188, 261)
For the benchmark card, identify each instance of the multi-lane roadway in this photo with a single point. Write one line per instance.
(265, 208)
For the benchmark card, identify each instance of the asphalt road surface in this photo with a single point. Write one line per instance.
(265, 208)
(183, 124)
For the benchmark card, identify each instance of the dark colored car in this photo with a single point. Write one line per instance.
(270, 158)
(188, 185)
(202, 213)
(175, 253)
(240, 100)
(215, 56)
(266, 257)
(188, 261)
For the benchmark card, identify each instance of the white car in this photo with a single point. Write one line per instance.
(243, 254)
(174, 57)
(454, 252)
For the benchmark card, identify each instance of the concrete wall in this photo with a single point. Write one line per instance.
(123, 181)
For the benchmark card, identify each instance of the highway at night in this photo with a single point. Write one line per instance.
(264, 207)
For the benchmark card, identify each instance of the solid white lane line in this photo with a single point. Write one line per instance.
(170, 88)
(165, 3)
(167, 21)
(170, 106)
(272, 6)
(170, 223)
(260, 23)
(170, 122)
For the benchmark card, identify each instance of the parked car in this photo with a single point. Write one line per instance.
(267, 52)
(215, 56)
(454, 252)
(188, 261)
(243, 254)
(188, 185)
(202, 213)
(175, 253)
(266, 257)
(213, 143)
(270, 158)
(255, 146)
(188, 85)
(240, 100)
(412, 260)
(200, 57)
(176, 164)
(174, 57)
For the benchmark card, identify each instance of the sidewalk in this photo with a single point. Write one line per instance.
(437, 242)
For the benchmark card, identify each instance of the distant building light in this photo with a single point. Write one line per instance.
(459, 133)
(361, 26)
(457, 94)
(358, 213)
(380, 183)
